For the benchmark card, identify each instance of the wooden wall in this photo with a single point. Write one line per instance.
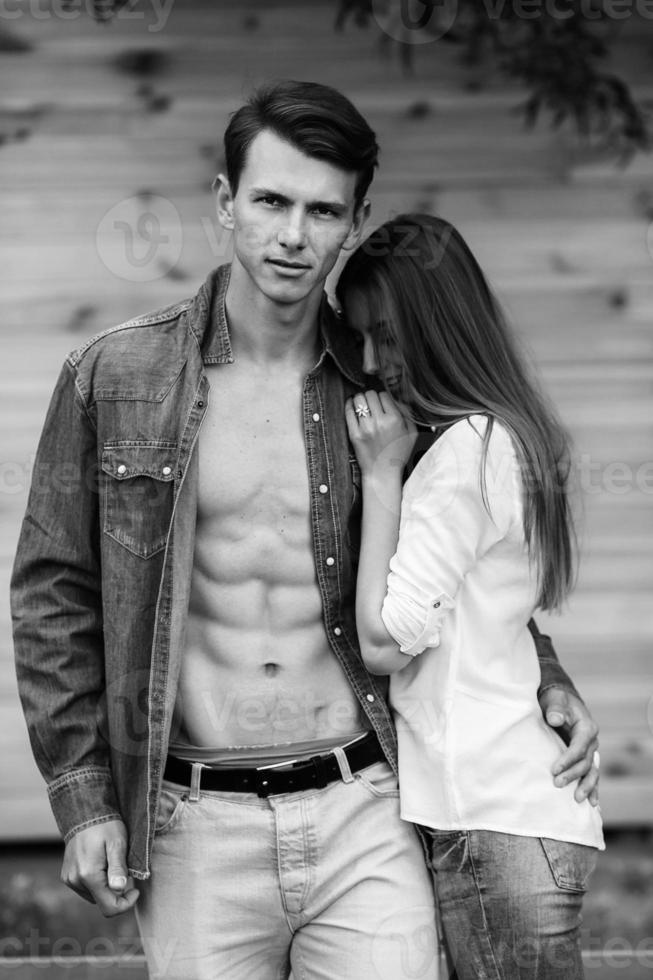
(564, 235)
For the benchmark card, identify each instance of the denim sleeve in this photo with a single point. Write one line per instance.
(57, 616)
(552, 672)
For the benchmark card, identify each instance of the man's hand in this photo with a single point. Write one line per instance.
(567, 713)
(95, 866)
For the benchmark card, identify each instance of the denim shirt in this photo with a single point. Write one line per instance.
(101, 582)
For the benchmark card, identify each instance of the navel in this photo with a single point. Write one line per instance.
(271, 670)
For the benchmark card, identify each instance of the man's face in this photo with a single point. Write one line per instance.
(290, 217)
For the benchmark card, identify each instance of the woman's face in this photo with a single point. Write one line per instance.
(381, 355)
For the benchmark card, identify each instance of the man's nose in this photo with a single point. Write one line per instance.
(370, 362)
(292, 233)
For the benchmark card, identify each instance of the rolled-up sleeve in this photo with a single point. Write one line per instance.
(447, 523)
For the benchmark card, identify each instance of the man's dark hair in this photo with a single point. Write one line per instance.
(316, 119)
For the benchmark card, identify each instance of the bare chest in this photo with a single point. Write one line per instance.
(251, 449)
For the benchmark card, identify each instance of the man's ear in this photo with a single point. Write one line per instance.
(361, 214)
(224, 201)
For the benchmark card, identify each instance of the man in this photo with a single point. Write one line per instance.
(183, 599)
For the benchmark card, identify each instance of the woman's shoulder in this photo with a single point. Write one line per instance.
(468, 434)
(460, 454)
(456, 467)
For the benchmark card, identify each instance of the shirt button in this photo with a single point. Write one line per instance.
(316, 417)
(166, 471)
(330, 561)
(436, 605)
(323, 488)
(337, 631)
(369, 697)
(122, 469)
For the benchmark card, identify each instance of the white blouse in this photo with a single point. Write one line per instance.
(474, 749)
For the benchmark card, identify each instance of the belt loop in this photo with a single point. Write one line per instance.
(195, 781)
(343, 764)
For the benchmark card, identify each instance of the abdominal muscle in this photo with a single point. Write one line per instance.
(257, 668)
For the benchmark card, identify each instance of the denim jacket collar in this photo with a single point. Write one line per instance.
(207, 320)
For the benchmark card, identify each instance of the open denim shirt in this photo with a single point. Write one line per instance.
(101, 582)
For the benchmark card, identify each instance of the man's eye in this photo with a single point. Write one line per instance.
(328, 212)
(270, 200)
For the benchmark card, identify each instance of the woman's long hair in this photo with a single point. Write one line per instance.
(430, 299)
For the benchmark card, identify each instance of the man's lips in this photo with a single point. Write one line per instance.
(288, 264)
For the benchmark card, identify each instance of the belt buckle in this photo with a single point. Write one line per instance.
(262, 783)
(263, 787)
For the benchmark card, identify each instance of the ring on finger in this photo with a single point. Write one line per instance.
(362, 410)
(596, 759)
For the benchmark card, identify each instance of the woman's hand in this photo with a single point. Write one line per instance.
(382, 437)
(383, 440)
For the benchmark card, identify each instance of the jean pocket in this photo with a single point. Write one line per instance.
(172, 803)
(448, 849)
(571, 864)
(379, 781)
(138, 494)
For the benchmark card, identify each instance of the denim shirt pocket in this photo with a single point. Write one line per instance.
(137, 494)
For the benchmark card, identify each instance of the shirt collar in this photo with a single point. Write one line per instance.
(207, 320)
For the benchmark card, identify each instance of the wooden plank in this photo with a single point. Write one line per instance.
(625, 801)
(27, 817)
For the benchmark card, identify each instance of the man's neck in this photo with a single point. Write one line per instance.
(262, 331)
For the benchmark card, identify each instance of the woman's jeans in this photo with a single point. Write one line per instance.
(510, 905)
(329, 882)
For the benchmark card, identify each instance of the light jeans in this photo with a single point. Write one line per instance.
(329, 883)
(510, 906)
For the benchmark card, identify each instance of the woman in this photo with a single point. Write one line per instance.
(481, 537)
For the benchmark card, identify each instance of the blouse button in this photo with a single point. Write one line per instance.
(122, 469)
(369, 697)
(316, 417)
(323, 488)
(337, 631)
(330, 561)
(166, 471)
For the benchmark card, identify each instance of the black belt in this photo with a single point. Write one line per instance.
(311, 773)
